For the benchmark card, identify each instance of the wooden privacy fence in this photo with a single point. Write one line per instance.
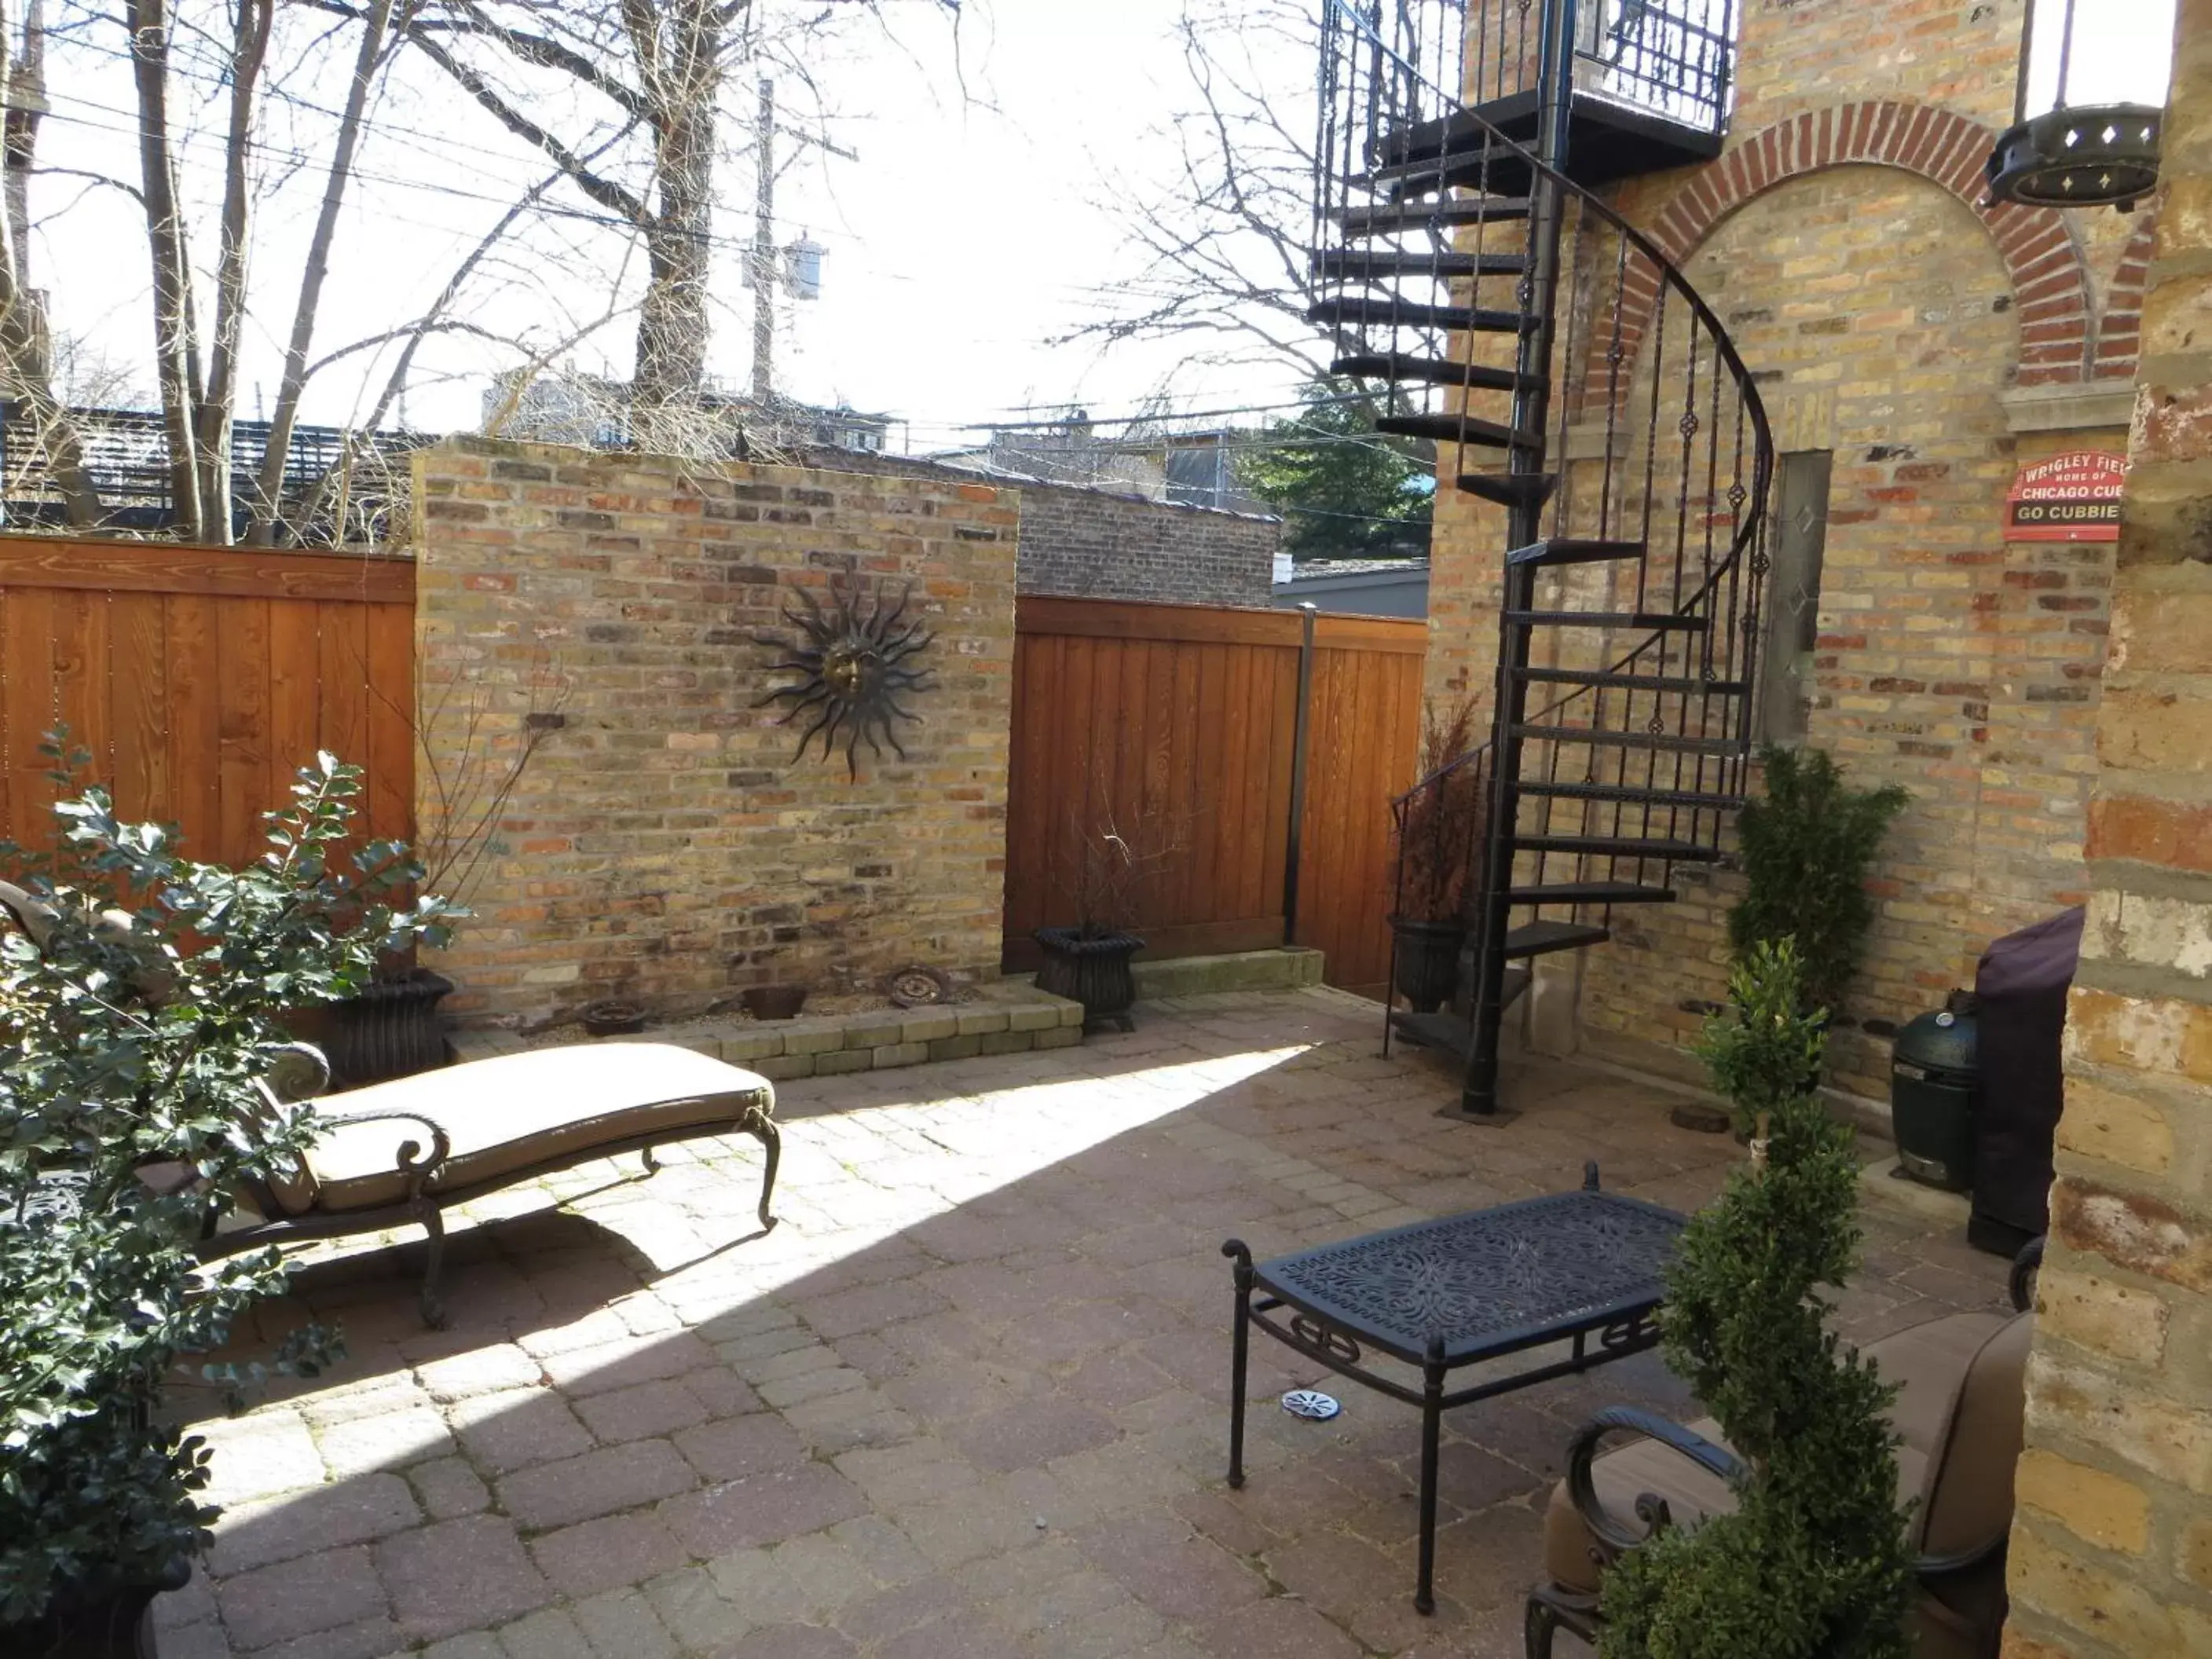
(201, 678)
(1180, 723)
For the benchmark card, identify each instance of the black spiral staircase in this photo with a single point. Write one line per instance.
(1568, 374)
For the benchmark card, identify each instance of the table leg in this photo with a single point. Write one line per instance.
(1240, 1349)
(1432, 1413)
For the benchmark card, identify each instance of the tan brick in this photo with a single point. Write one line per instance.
(844, 1060)
(980, 1022)
(929, 1025)
(1008, 1043)
(875, 1031)
(955, 1047)
(2171, 1441)
(2115, 1127)
(2195, 1558)
(1032, 1019)
(2089, 1598)
(2135, 1230)
(889, 1054)
(779, 1068)
(1061, 1036)
(748, 1046)
(2106, 1510)
(812, 1038)
(2115, 1319)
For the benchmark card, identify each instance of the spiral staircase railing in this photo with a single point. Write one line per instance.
(1571, 375)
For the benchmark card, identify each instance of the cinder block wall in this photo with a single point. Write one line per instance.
(1886, 317)
(664, 847)
(2111, 1552)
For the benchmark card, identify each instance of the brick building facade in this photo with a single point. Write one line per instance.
(1088, 542)
(1915, 348)
(663, 847)
(2112, 1551)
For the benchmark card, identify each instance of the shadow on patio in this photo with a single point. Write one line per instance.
(968, 1399)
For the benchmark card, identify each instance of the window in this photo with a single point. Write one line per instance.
(1793, 595)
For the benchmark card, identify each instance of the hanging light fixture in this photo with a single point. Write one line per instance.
(2092, 82)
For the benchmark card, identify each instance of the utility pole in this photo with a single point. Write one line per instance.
(761, 260)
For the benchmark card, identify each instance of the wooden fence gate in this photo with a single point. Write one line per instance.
(1180, 724)
(200, 680)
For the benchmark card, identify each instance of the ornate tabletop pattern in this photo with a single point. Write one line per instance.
(1549, 1263)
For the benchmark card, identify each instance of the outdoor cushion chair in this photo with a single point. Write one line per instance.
(1960, 1412)
(404, 1150)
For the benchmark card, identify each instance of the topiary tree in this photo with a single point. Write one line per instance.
(1812, 1562)
(1763, 1049)
(1807, 848)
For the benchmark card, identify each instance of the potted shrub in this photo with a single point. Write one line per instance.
(1812, 1562)
(1088, 963)
(1808, 846)
(139, 998)
(1439, 825)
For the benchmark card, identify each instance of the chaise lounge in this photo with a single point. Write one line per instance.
(404, 1150)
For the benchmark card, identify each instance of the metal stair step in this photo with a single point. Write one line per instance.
(1590, 892)
(1695, 801)
(1460, 169)
(1510, 489)
(1620, 847)
(1661, 740)
(1561, 550)
(1640, 621)
(1537, 938)
(1688, 685)
(1381, 264)
(1446, 1030)
(1438, 371)
(1395, 314)
(1457, 429)
(1443, 216)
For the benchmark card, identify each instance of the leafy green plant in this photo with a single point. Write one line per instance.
(139, 995)
(1807, 848)
(1812, 1564)
(1765, 1049)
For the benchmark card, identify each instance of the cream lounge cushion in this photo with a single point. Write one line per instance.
(509, 1115)
(1959, 1412)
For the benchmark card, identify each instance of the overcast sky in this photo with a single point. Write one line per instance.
(963, 238)
(966, 236)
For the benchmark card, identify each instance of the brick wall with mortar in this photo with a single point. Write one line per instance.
(663, 847)
(1887, 314)
(2112, 1548)
(1101, 544)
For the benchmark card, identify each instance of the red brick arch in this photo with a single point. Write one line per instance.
(2119, 336)
(2050, 283)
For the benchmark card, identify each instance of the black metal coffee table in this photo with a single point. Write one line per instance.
(1441, 1295)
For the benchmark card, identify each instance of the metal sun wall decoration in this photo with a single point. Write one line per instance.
(853, 659)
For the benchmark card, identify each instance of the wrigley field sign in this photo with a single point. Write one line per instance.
(2074, 497)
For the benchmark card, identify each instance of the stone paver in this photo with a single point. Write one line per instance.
(967, 1401)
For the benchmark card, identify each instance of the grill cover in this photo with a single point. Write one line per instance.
(2021, 989)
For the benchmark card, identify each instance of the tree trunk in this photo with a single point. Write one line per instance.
(683, 77)
(375, 28)
(176, 350)
(26, 358)
(212, 418)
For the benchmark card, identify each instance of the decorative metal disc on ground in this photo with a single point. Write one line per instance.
(916, 987)
(1311, 1404)
(853, 659)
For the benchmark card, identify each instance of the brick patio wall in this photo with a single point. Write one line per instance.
(664, 847)
(2111, 1552)
(1840, 238)
(1102, 545)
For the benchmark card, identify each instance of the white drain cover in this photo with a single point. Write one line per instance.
(1312, 1403)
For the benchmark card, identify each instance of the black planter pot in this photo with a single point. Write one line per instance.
(391, 1029)
(1428, 961)
(113, 1621)
(1094, 972)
